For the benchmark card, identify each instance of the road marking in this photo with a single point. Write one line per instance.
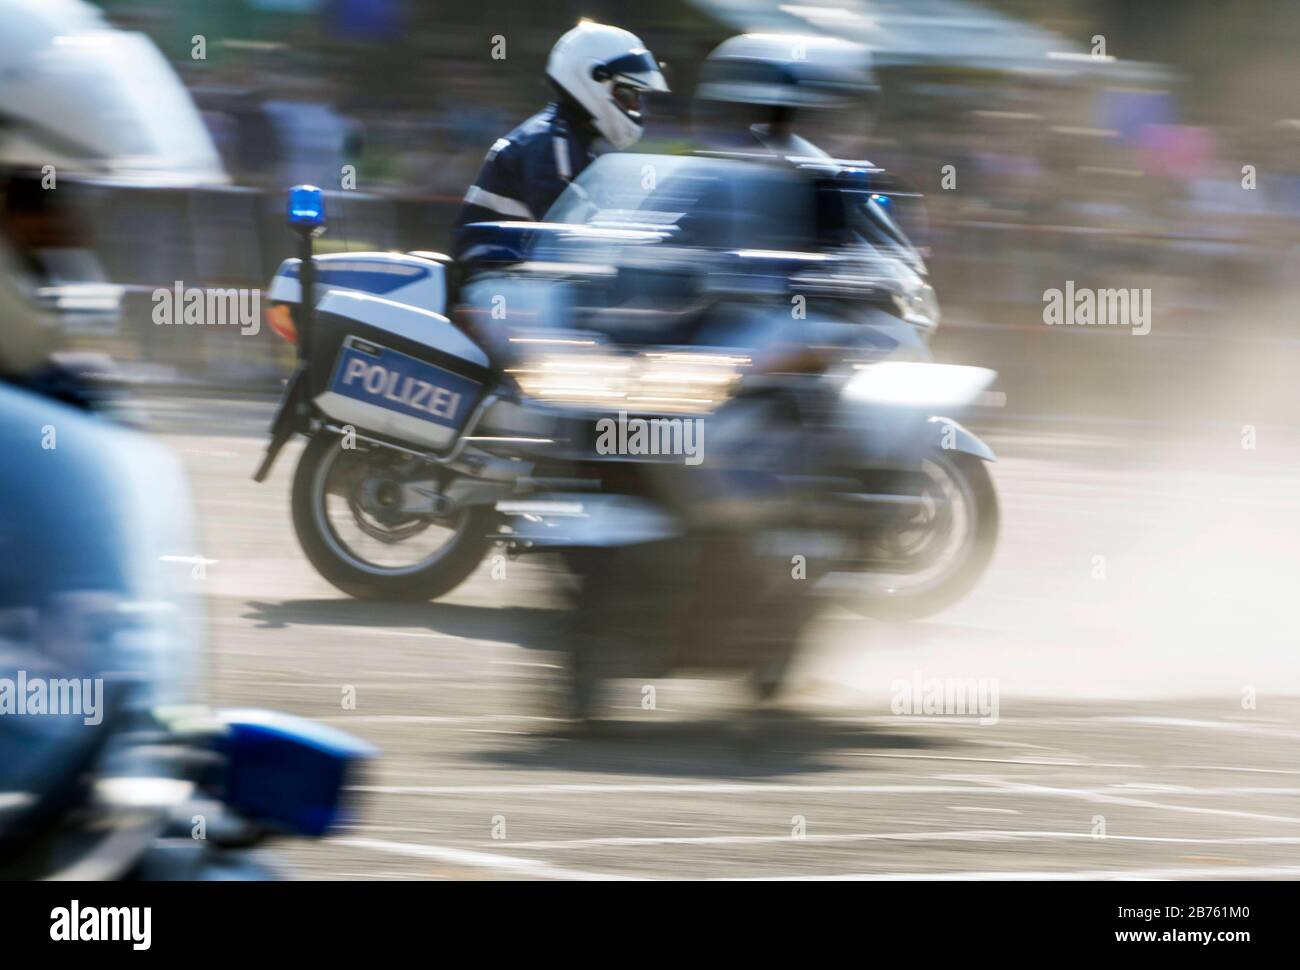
(1188, 872)
(995, 743)
(1100, 796)
(975, 785)
(1262, 771)
(479, 860)
(372, 631)
(431, 719)
(377, 874)
(1046, 762)
(540, 869)
(958, 835)
(1030, 721)
(394, 685)
(657, 788)
(1243, 727)
(976, 808)
(262, 622)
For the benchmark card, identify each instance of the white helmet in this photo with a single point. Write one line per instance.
(603, 70)
(79, 99)
(94, 101)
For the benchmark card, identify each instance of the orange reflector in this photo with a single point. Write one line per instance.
(279, 319)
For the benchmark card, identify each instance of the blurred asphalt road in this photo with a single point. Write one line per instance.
(1145, 585)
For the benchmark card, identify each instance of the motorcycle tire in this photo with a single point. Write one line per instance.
(451, 568)
(979, 551)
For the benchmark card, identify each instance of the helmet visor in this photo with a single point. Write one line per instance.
(636, 69)
(628, 98)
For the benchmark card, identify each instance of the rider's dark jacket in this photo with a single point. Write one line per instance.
(525, 172)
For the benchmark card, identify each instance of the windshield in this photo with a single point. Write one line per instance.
(704, 202)
(615, 192)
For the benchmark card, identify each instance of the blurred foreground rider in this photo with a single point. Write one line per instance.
(93, 633)
(599, 74)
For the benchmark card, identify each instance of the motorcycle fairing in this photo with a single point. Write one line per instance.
(415, 344)
(413, 280)
(397, 394)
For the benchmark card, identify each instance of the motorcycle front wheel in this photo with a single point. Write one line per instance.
(370, 552)
(950, 538)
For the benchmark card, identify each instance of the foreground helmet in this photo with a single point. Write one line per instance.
(788, 71)
(604, 70)
(79, 100)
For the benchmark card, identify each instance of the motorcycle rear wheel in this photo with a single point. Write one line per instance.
(433, 576)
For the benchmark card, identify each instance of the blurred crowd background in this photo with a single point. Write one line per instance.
(1112, 143)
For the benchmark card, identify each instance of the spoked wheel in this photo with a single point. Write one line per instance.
(352, 513)
(941, 547)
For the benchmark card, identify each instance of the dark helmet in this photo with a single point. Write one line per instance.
(788, 70)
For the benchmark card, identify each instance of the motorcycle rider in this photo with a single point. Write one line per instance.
(754, 89)
(599, 74)
(90, 507)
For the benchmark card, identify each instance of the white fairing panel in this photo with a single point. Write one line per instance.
(431, 329)
(419, 326)
(371, 417)
(412, 280)
(392, 293)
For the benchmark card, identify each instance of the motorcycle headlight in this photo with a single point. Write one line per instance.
(659, 381)
(918, 385)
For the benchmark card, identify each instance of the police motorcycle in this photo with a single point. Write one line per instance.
(650, 289)
(753, 317)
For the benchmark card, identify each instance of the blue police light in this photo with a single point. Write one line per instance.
(880, 199)
(306, 207)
